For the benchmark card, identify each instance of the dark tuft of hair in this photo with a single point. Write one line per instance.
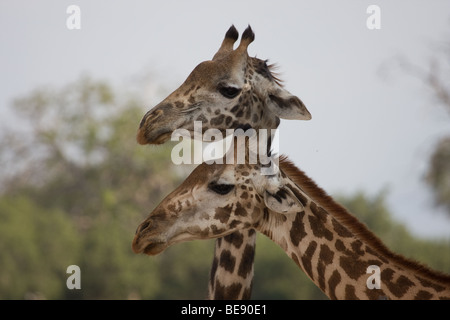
(267, 71)
(248, 34)
(275, 75)
(232, 33)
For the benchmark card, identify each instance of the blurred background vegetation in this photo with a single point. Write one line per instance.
(75, 185)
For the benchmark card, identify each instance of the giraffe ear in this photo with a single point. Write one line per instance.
(283, 201)
(287, 106)
(278, 197)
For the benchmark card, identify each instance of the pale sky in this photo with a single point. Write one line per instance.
(368, 132)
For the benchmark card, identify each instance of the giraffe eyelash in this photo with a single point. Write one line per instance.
(220, 188)
(229, 92)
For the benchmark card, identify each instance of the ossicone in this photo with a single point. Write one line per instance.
(232, 33)
(247, 37)
(231, 37)
(227, 44)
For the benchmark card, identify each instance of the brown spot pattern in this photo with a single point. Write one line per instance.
(423, 295)
(399, 287)
(246, 265)
(325, 258)
(225, 293)
(223, 214)
(332, 284)
(307, 257)
(240, 210)
(353, 266)
(350, 292)
(375, 294)
(297, 232)
(227, 261)
(319, 229)
(235, 238)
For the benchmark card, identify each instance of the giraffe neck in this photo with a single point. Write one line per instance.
(341, 256)
(231, 274)
(232, 270)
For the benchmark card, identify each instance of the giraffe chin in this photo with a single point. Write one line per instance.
(154, 248)
(143, 138)
(150, 248)
(161, 138)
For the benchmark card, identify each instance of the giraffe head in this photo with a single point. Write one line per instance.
(214, 201)
(232, 90)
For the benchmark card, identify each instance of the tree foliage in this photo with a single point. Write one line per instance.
(374, 212)
(76, 166)
(435, 76)
(438, 175)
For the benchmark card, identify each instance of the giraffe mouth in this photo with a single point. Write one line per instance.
(154, 248)
(151, 248)
(161, 138)
(144, 137)
(147, 246)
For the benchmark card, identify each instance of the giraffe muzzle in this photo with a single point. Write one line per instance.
(150, 238)
(151, 131)
(158, 124)
(148, 245)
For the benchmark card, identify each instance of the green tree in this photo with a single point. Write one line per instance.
(74, 160)
(438, 175)
(374, 212)
(36, 247)
(435, 76)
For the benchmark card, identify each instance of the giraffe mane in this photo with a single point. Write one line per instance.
(275, 74)
(352, 223)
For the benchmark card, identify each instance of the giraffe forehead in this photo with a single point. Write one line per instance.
(210, 72)
(226, 68)
(221, 173)
(227, 176)
(205, 173)
(202, 174)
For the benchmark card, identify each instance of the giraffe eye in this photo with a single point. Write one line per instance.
(229, 92)
(220, 188)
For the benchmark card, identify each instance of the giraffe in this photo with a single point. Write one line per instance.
(233, 90)
(330, 245)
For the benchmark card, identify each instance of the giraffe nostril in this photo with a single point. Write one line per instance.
(152, 115)
(142, 121)
(142, 227)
